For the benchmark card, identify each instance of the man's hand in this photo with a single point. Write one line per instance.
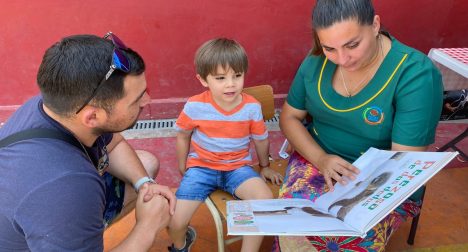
(159, 190)
(274, 176)
(153, 213)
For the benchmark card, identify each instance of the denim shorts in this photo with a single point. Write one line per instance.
(115, 192)
(199, 182)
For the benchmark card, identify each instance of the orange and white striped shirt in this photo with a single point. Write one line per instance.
(221, 140)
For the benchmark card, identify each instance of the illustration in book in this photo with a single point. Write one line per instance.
(387, 178)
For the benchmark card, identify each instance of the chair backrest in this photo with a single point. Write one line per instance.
(263, 94)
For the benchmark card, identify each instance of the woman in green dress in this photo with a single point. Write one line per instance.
(362, 88)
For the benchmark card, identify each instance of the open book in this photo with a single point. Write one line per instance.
(387, 178)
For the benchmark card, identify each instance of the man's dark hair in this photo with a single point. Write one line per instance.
(328, 12)
(73, 67)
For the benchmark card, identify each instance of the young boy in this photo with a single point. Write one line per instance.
(219, 124)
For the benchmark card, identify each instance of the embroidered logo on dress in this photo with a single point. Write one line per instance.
(373, 115)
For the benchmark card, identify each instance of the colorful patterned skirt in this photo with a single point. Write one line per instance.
(303, 180)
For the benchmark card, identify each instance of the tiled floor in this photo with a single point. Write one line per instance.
(443, 225)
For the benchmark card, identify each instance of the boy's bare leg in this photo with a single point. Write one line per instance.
(151, 164)
(254, 188)
(180, 220)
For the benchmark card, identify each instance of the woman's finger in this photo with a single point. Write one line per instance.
(346, 173)
(328, 180)
(278, 180)
(337, 176)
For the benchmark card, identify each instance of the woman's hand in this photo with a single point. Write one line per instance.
(274, 176)
(336, 168)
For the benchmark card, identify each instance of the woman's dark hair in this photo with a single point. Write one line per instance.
(328, 12)
(73, 67)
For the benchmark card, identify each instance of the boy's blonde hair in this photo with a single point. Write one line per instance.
(220, 52)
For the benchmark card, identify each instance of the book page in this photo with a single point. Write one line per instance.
(344, 197)
(281, 217)
(354, 188)
(388, 178)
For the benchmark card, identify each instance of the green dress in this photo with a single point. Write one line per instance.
(401, 104)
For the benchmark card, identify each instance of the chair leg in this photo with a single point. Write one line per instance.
(218, 223)
(451, 144)
(414, 223)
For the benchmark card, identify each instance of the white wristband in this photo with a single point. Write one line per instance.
(141, 181)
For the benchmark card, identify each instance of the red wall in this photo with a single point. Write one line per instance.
(275, 33)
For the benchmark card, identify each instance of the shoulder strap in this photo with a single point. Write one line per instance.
(40, 133)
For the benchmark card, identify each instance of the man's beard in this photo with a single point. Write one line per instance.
(114, 128)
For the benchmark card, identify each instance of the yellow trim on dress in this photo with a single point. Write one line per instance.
(364, 103)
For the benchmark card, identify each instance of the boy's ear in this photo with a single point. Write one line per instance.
(202, 81)
(93, 117)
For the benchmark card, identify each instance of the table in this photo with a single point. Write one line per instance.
(453, 64)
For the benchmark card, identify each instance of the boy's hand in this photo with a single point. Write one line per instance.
(272, 175)
(182, 169)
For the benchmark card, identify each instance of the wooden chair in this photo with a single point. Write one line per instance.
(216, 202)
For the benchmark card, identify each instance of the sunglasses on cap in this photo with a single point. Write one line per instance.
(119, 62)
